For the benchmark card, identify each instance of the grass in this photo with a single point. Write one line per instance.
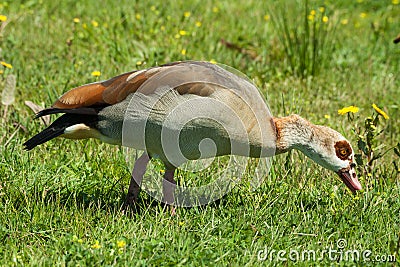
(60, 203)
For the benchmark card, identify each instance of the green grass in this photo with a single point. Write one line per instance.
(58, 200)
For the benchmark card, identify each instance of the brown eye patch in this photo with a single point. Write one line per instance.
(343, 149)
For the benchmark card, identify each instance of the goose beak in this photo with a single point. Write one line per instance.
(349, 177)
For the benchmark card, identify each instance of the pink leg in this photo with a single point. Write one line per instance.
(137, 176)
(169, 186)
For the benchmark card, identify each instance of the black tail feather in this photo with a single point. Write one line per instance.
(42, 137)
(58, 127)
(81, 111)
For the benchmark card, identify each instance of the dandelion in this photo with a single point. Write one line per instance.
(215, 9)
(267, 17)
(326, 116)
(182, 223)
(310, 17)
(380, 111)
(138, 16)
(198, 23)
(213, 61)
(183, 52)
(3, 18)
(351, 109)
(363, 15)
(182, 32)
(76, 20)
(177, 36)
(84, 25)
(186, 14)
(121, 243)
(96, 73)
(162, 28)
(96, 245)
(344, 21)
(7, 65)
(95, 23)
(321, 9)
(395, 2)
(325, 19)
(312, 12)
(153, 8)
(139, 63)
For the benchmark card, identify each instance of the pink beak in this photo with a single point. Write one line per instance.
(349, 177)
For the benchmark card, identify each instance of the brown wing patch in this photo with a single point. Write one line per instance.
(201, 89)
(343, 149)
(81, 96)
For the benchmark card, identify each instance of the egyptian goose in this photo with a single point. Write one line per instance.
(169, 110)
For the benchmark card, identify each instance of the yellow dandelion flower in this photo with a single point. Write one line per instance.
(162, 27)
(213, 61)
(344, 21)
(1, 71)
(186, 14)
(95, 23)
(380, 111)
(267, 17)
(7, 65)
(310, 17)
(326, 116)
(325, 19)
(138, 16)
(76, 20)
(312, 12)
(96, 73)
(198, 23)
(321, 9)
(138, 63)
(183, 52)
(96, 245)
(181, 223)
(153, 8)
(351, 109)
(3, 18)
(182, 32)
(84, 25)
(215, 9)
(395, 2)
(177, 36)
(363, 15)
(121, 243)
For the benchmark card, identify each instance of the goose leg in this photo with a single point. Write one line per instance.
(136, 179)
(169, 186)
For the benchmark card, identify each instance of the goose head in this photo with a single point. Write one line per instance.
(322, 144)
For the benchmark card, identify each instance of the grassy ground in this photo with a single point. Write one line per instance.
(60, 203)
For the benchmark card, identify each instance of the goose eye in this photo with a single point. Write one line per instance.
(343, 152)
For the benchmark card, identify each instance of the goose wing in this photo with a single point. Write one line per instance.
(189, 77)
